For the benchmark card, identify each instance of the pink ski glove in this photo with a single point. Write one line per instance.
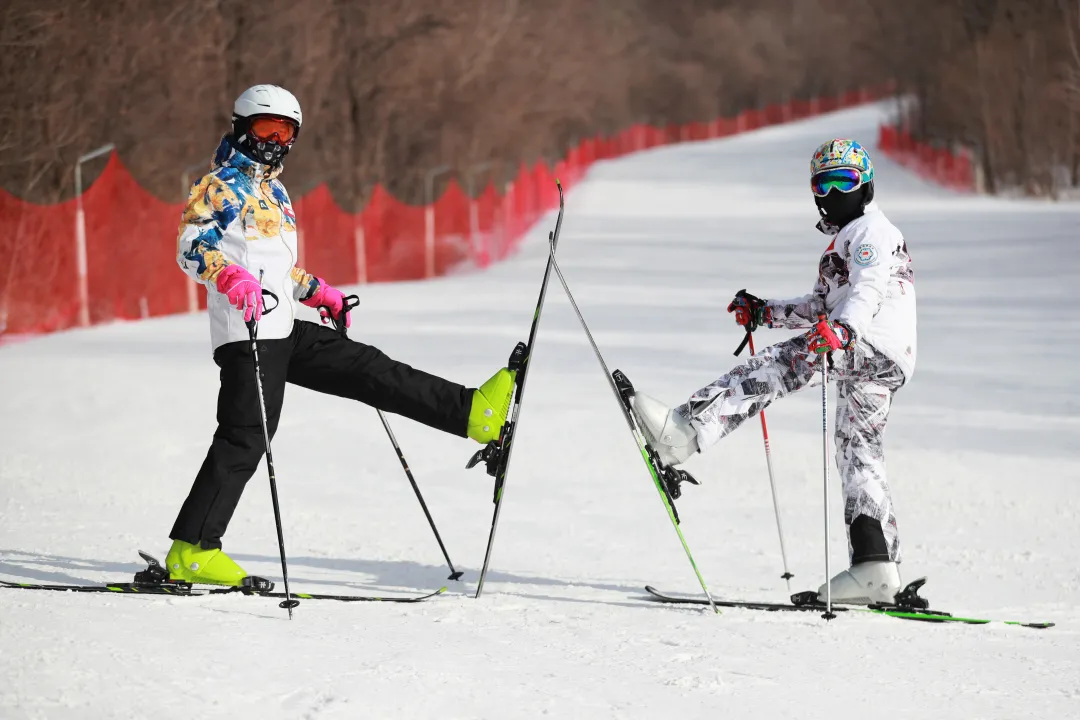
(243, 291)
(330, 297)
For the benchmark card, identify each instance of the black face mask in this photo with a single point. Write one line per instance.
(267, 153)
(838, 208)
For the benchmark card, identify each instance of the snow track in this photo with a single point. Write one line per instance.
(102, 431)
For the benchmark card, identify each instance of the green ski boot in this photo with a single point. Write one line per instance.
(490, 406)
(191, 564)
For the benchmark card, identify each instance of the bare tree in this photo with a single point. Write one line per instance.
(390, 90)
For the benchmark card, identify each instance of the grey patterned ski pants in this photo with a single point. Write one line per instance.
(866, 381)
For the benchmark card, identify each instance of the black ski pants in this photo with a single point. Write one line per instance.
(317, 358)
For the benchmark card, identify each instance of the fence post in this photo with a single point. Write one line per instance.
(510, 231)
(80, 235)
(192, 296)
(429, 219)
(361, 250)
(480, 254)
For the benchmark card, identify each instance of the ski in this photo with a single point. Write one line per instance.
(496, 454)
(154, 580)
(668, 480)
(923, 614)
(187, 590)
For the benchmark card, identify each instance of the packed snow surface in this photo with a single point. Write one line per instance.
(102, 431)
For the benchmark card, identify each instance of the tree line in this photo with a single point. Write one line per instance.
(391, 90)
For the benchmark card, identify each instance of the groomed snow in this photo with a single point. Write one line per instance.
(102, 431)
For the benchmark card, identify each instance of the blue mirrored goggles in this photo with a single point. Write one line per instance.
(845, 179)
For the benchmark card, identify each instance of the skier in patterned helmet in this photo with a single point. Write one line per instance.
(842, 180)
(861, 312)
(237, 238)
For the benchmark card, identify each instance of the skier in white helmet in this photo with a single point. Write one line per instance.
(238, 238)
(865, 292)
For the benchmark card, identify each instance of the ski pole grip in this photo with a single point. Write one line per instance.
(251, 324)
(350, 302)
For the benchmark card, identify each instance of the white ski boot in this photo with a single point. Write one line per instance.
(865, 583)
(672, 436)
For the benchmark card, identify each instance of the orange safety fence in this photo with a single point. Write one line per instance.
(952, 169)
(130, 236)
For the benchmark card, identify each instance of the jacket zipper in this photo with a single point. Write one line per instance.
(281, 236)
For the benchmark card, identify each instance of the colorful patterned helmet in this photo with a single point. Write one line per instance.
(841, 153)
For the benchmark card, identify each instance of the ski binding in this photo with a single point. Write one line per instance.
(156, 575)
(672, 478)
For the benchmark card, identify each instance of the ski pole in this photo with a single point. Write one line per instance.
(252, 325)
(454, 574)
(613, 379)
(349, 303)
(749, 339)
(825, 449)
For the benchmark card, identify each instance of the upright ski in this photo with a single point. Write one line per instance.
(496, 454)
(666, 479)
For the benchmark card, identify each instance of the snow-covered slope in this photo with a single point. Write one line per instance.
(102, 431)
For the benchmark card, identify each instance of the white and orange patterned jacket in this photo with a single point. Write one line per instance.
(239, 213)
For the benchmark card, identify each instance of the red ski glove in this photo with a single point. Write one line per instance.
(750, 312)
(327, 297)
(829, 335)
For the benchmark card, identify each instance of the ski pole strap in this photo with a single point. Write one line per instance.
(742, 345)
(349, 302)
(277, 301)
(266, 311)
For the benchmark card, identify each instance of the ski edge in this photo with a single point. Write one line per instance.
(663, 598)
(182, 591)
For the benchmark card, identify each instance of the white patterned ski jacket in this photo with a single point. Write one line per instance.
(239, 213)
(865, 280)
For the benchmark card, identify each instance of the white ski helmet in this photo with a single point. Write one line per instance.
(265, 101)
(268, 100)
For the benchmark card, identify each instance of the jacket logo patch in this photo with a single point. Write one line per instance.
(866, 255)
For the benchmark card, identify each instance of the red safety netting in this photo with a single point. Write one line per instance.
(130, 236)
(945, 167)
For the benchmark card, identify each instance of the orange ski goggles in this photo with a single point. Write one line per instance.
(273, 129)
